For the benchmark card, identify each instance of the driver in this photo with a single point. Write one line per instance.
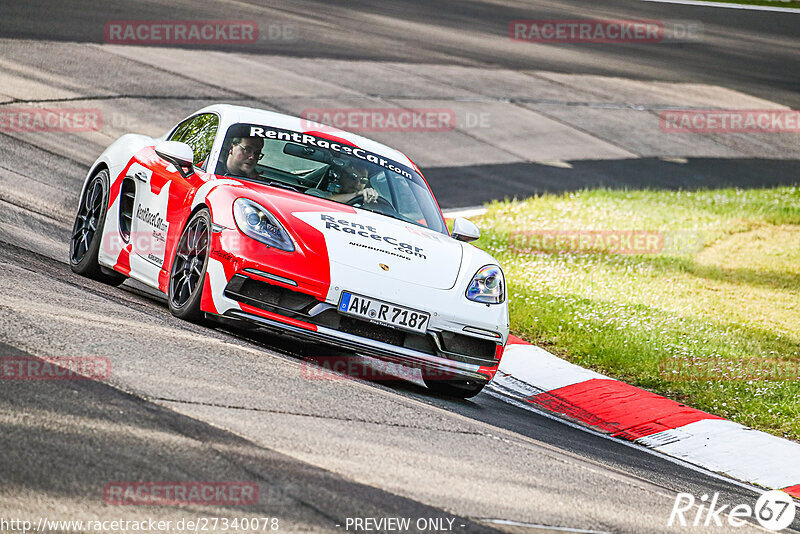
(353, 180)
(244, 154)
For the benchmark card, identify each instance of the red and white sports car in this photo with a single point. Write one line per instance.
(298, 228)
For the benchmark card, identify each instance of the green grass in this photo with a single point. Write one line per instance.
(722, 299)
(771, 3)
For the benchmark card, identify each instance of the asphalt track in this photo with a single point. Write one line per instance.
(186, 402)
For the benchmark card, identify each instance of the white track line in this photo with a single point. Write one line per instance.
(727, 5)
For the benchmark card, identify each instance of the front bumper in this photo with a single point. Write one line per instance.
(442, 352)
(369, 347)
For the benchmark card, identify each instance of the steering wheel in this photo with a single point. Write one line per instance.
(358, 202)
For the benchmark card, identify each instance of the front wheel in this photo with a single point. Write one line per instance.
(462, 389)
(87, 232)
(189, 268)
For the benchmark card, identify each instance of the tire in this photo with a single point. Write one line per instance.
(461, 389)
(189, 265)
(84, 244)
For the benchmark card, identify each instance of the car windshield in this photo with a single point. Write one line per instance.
(331, 168)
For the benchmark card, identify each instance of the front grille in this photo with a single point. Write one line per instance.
(468, 345)
(267, 296)
(371, 331)
(358, 327)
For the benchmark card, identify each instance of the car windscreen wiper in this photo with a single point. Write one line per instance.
(393, 216)
(283, 186)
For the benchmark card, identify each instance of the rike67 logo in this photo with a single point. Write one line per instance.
(774, 510)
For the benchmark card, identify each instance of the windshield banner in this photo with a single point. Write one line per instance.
(339, 146)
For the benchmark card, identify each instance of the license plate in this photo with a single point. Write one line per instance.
(382, 312)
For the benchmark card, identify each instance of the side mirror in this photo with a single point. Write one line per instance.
(179, 154)
(465, 230)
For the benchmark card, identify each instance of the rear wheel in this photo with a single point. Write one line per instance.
(462, 389)
(189, 268)
(87, 232)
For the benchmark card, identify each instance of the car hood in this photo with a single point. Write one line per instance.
(360, 239)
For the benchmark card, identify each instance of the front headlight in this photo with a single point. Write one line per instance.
(257, 222)
(488, 286)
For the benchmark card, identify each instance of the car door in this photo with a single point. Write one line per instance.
(162, 191)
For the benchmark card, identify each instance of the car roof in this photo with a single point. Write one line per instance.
(231, 114)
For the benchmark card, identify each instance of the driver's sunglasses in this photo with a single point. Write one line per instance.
(357, 177)
(251, 151)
